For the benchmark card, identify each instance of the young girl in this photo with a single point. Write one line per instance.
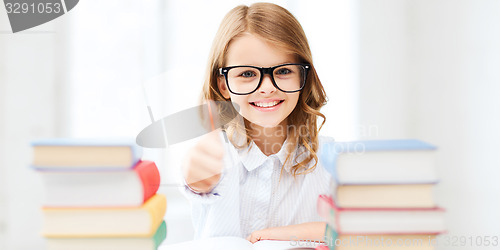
(264, 184)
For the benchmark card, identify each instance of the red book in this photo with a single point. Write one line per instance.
(106, 188)
(364, 221)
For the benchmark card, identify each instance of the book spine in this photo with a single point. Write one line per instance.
(156, 206)
(330, 236)
(328, 158)
(150, 178)
(160, 235)
(328, 211)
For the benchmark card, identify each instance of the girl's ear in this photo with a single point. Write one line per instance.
(222, 87)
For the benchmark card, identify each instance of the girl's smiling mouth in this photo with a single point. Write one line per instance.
(267, 105)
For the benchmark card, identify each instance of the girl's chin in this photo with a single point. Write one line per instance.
(269, 121)
(266, 124)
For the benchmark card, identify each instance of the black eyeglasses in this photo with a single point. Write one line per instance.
(244, 80)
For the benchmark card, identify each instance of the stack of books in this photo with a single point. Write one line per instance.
(99, 195)
(382, 195)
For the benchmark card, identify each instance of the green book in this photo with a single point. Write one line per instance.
(122, 243)
(330, 236)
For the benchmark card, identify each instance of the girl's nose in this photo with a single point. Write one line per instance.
(267, 87)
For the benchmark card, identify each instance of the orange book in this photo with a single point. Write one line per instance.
(335, 241)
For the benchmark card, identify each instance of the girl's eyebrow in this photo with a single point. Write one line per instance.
(288, 62)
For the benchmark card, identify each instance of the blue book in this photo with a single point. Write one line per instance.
(72, 154)
(380, 162)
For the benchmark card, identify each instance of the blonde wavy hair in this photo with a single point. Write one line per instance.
(279, 27)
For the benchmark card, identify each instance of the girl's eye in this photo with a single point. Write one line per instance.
(248, 74)
(283, 71)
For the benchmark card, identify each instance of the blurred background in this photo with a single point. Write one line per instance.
(426, 69)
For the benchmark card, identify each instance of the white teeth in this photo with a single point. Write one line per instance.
(266, 104)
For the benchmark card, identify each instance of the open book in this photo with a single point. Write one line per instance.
(231, 243)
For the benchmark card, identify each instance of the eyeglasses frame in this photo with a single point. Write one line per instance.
(263, 71)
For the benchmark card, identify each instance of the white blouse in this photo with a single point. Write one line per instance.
(251, 196)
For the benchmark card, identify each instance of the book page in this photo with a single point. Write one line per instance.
(216, 243)
(231, 243)
(283, 245)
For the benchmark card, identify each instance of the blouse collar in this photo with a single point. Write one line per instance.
(252, 157)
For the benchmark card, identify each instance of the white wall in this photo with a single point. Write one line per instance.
(331, 28)
(383, 69)
(429, 70)
(3, 184)
(456, 67)
(29, 108)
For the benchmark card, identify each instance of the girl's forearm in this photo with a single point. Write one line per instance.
(305, 231)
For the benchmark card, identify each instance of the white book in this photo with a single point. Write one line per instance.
(380, 162)
(126, 188)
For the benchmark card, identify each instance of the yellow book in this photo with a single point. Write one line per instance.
(140, 221)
